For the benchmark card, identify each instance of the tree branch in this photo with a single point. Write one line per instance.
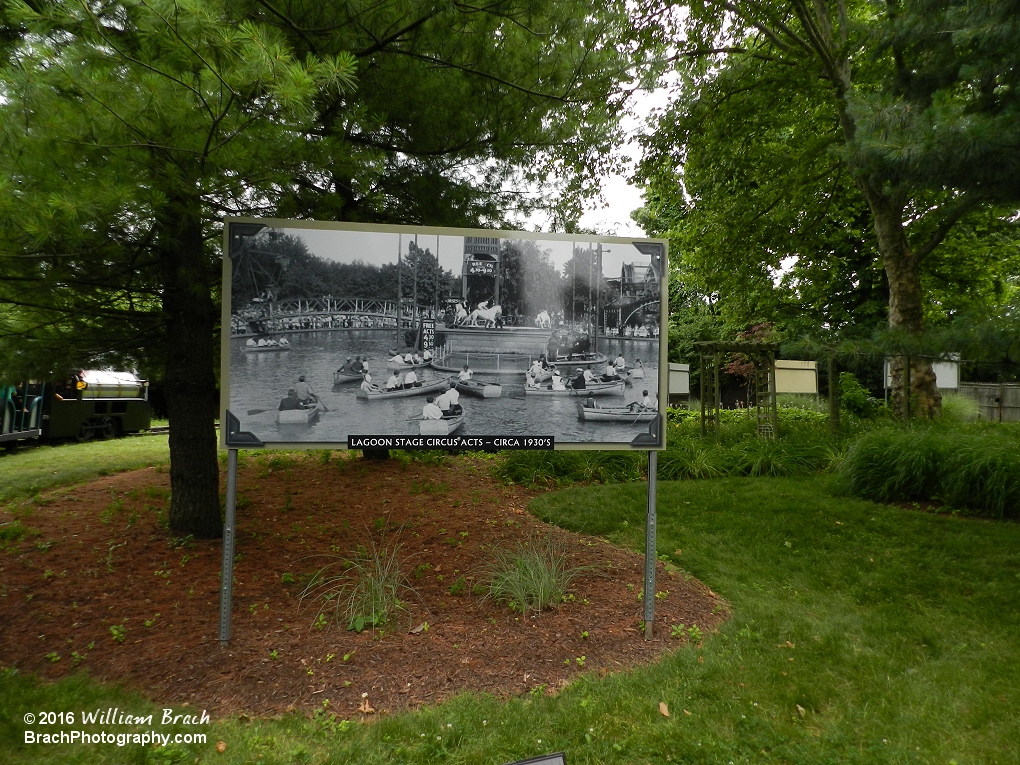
(956, 210)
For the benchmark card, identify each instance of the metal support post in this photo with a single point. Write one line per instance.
(227, 572)
(649, 595)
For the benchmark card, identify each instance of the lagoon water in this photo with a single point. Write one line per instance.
(260, 380)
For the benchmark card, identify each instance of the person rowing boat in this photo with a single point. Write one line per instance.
(304, 392)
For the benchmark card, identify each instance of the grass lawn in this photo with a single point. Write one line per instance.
(43, 467)
(860, 633)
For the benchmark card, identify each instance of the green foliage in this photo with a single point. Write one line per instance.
(977, 467)
(360, 590)
(551, 468)
(11, 532)
(855, 398)
(839, 165)
(530, 576)
(958, 408)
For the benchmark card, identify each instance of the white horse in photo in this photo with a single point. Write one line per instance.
(487, 315)
(543, 321)
(460, 313)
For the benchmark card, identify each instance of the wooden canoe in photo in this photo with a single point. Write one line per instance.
(265, 348)
(430, 386)
(303, 416)
(480, 388)
(615, 414)
(402, 367)
(636, 372)
(339, 378)
(591, 389)
(443, 427)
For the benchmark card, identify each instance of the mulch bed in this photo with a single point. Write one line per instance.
(97, 556)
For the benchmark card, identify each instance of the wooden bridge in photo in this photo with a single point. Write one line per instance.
(324, 313)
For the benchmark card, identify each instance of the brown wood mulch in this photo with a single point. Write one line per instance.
(98, 564)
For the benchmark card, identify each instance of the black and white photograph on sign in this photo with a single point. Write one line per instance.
(337, 331)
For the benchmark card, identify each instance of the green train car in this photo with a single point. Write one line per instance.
(89, 404)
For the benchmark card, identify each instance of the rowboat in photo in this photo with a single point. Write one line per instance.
(443, 427)
(591, 389)
(480, 388)
(401, 367)
(615, 413)
(303, 416)
(636, 373)
(429, 386)
(340, 378)
(265, 348)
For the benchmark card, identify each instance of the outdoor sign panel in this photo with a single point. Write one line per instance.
(339, 335)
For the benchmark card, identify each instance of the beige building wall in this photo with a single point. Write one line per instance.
(796, 376)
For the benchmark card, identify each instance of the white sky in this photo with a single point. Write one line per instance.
(621, 198)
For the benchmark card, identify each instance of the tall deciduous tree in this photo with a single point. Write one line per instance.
(915, 103)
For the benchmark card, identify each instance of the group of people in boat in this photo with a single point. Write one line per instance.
(410, 357)
(358, 366)
(301, 396)
(446, 404)
(410, 380)
(267, 342)
(542, 370)
(563, 343)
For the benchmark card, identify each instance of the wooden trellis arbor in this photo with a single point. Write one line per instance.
(763, 383)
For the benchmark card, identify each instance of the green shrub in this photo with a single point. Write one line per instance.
(976, 467)
(805, 446)
(855, 398)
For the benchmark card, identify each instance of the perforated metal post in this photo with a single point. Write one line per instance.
(227, 572)
(649, 596)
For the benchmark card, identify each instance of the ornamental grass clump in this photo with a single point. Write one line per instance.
(976, 467)
(531, 575)
(360, 590)
(542, 468)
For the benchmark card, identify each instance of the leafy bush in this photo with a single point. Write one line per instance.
(805, 445)
(855, 398)
(362, 590)
(531, 576)
(975, 467)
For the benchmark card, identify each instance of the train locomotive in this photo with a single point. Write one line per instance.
(86, 405)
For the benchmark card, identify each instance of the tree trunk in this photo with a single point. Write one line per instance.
(906, 311)
(190, 382)
(902, 266)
